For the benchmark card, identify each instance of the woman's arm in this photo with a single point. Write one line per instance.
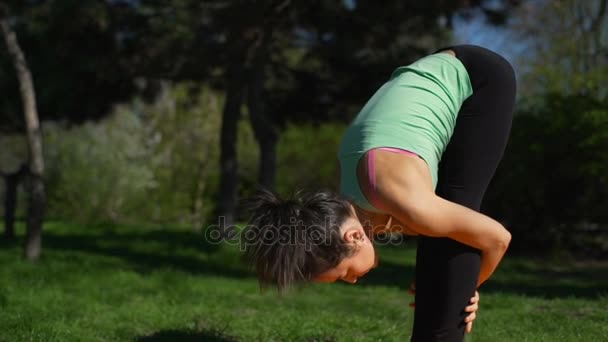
(407, 196)
(404, 187)
(433, 216)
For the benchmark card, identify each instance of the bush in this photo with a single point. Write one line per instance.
(553, 182)
(154, 163)
(97, 171)
(183, 129)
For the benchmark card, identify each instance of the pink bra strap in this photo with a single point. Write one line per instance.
(397, 150)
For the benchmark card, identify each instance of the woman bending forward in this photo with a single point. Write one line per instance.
(417, 159)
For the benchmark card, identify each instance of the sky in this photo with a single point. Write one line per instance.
(476, 31)
(498, 39)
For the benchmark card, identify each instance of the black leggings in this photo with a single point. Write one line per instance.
(447, 271)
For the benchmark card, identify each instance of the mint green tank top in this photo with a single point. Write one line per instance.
(415, 110)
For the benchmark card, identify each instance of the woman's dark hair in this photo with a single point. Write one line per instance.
(289, 242)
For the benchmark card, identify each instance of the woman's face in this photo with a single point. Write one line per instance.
(362, 260)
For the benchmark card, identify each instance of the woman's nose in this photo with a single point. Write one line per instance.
(350, 280)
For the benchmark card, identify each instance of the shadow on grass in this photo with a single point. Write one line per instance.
(545, 290)
(209, 336)
(390, 275)
(519, 276)
(186, 251)
(587, 280)
(187, 336)
(8, 243)
(147, 251)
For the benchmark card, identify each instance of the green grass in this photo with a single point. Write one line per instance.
(144, 284)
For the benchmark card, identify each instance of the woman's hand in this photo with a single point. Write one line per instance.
(412, 291)
(473, 312)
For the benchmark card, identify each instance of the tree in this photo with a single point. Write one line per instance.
(253, 50)
(74, 50)
(303, 61)
(567, 47)
(551, 187)
(89, 55)
(36, 200)
(283, 60)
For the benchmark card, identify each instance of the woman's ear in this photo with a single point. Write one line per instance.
(354, 236)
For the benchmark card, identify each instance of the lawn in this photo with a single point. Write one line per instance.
(132, 283)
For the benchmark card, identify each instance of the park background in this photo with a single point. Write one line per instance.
(157, 118)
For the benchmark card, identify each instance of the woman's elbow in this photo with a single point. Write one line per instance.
(498, 241)
(504, 241)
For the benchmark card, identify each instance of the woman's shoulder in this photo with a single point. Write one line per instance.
(392, 173)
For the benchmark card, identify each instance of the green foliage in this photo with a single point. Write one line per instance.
(97, 172)
(183, 138)
(145, 283)
(159, 162)
(552, 185)
(566, 44)
(307, 157)
(13, 154)
(154, 162)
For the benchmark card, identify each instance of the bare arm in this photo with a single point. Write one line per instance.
(431, 215)
(411, 201)
(404, 187)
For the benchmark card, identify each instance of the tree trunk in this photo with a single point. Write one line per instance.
(263, 127)
(229, 179)
(268, 161)
(35, 217)
(246, 53)
(36, 199)
(262, 122)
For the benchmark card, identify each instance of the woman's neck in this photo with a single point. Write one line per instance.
(373, 223)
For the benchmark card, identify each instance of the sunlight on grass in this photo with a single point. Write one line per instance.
(151, 284)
